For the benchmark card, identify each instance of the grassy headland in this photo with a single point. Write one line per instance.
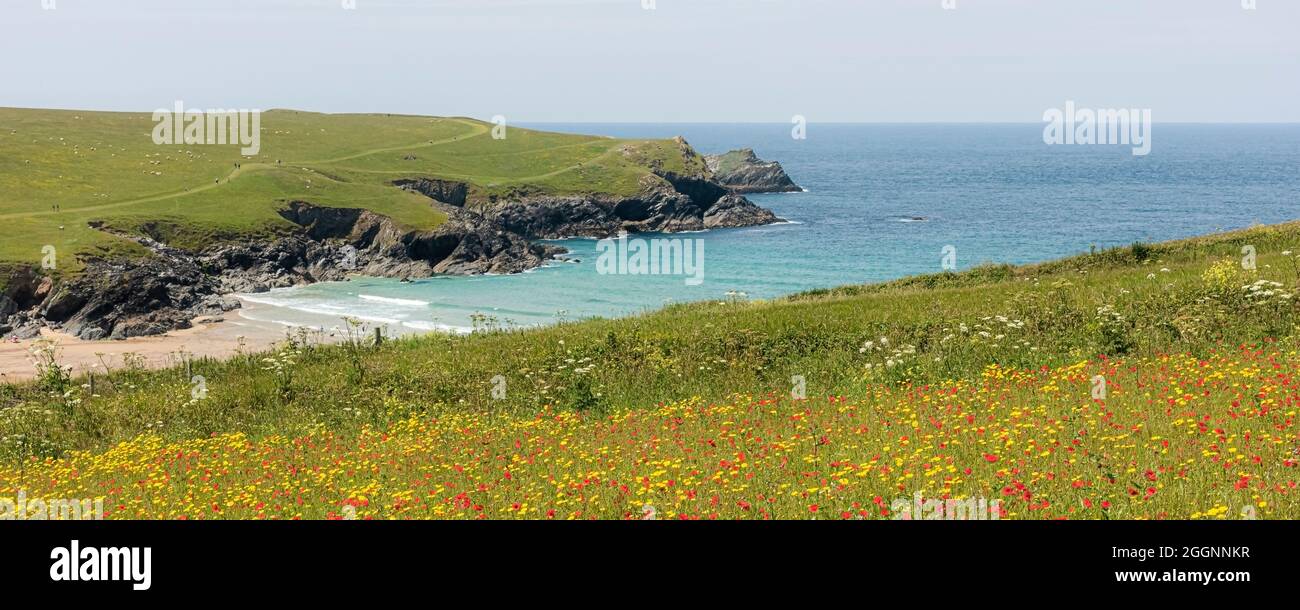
(104, 167)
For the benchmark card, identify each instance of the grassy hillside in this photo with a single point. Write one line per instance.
(104, 166)
(971, 385)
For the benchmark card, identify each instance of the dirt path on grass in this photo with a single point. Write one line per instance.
(249, 167)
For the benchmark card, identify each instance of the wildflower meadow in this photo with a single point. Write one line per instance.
(1147, 382)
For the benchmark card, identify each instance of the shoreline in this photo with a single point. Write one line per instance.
(229, 335)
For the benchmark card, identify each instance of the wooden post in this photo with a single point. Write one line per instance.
(379, 336)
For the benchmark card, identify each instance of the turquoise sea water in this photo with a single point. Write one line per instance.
(995, 193)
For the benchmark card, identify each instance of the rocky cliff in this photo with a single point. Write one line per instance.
(742, 171)
(667, 204)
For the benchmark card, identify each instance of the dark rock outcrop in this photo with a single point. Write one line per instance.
(736, 211)
(665, 204)
(114, 299)
(743, 172)
(23, 291)
(338, 242)
(445, 191)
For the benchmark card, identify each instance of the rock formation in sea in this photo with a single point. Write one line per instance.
(742, 171)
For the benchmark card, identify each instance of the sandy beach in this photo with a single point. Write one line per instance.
(235, 332)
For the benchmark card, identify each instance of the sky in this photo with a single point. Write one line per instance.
(680, 61)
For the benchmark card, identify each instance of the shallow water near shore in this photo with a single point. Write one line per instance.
(882, 202)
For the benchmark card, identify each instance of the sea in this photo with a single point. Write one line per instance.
(880, 201)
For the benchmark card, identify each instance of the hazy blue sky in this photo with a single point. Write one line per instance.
(686, 60)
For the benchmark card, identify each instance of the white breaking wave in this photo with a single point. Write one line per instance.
(245, 316)
(358, 316)
(417, 325)
(393, 301)
(287, 323)
(319, 310)
(260, 300)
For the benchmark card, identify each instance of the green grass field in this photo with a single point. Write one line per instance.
(976, 384)
(104, 166)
